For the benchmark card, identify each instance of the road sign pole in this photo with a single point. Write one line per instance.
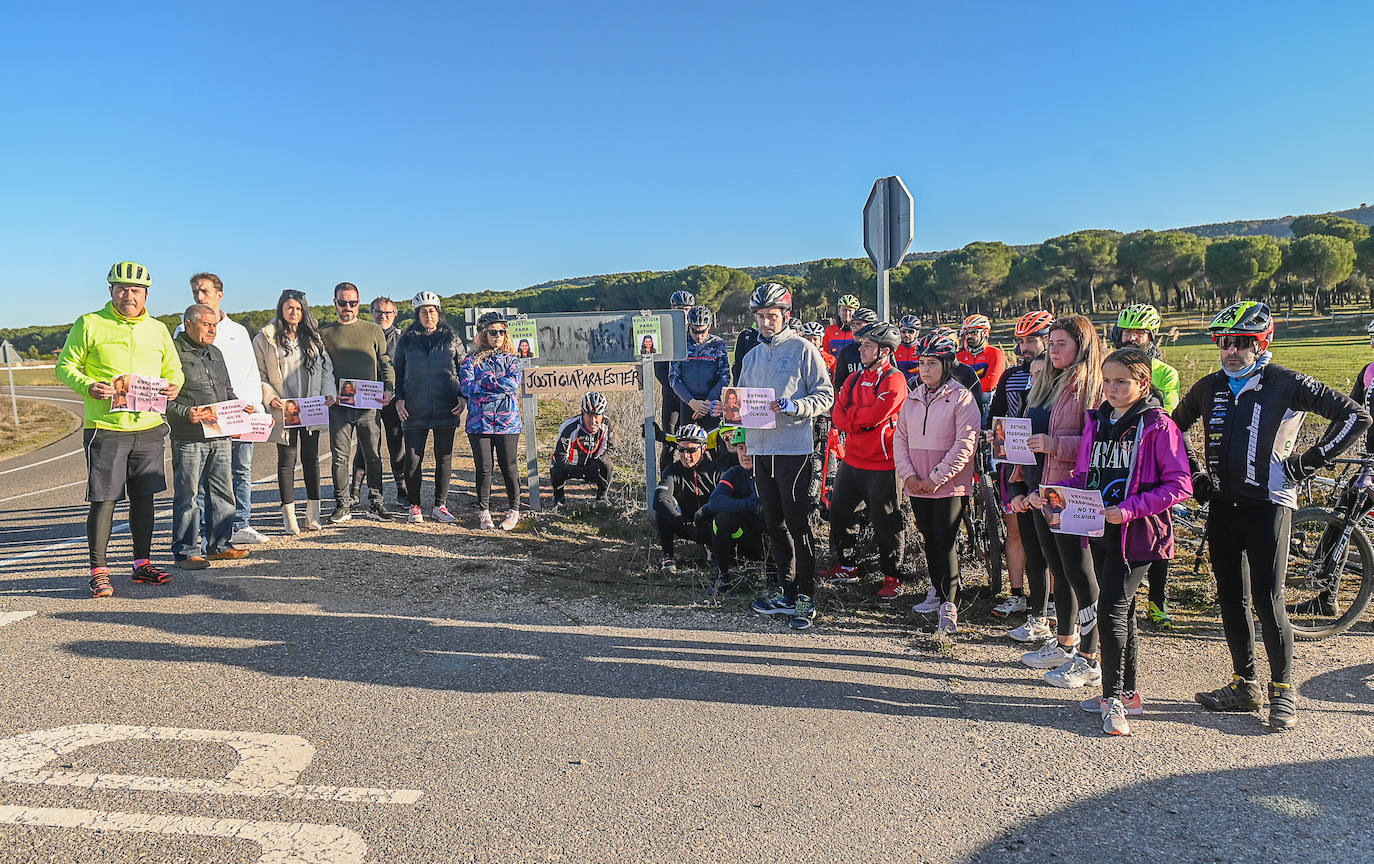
(884, 302)
(14, 401)
(646, 378)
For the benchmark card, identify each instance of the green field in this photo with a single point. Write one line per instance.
(1334, 361)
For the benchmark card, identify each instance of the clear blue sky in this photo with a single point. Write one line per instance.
(461, 147)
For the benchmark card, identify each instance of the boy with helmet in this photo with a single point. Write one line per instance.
(1138, 325)
(124, 449)
(581, 450)
(841, 333)
(985, 359)
(1009, 400)
(792, 368)
(814, 333)
(670, 412)
(1253, 411)
(865, 411)
(905, 359)
(682, 493)
(847, 360)
(698, 379)
(736, 517)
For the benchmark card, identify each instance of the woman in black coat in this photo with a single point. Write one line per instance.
(427, 399)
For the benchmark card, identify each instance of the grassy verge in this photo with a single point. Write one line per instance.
(40, 424)
(29, 377)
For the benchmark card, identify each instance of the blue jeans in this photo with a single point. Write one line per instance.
(195, 463)
(243, 489)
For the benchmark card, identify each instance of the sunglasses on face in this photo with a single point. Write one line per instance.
(346, 304)
(491, 332)
(1236, 343)
(699, 331)
(682, 449)
(907, 332)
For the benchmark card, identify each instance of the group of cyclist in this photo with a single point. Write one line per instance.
(905, 414)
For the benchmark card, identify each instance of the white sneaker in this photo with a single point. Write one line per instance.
(949, 620)
(1050, 655)
(246, 536)
(1114, 718)
(1011, 606)
(512, 517)
(1076, 672)
(416, 517)
(928, 605)
(441, 514)
(484, 521)
(1036, 629)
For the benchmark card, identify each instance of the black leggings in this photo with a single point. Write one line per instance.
(306, 443)
(597, 472)
(1118, 582)
(878, 491)
(443, 463)
(1036, 565)
(740, 533)
(938, 521)
(1248, 549)
(100, 522)
(1159, 577)
(670, 523)
(784, 484)
(1075, 587)
(506, 448)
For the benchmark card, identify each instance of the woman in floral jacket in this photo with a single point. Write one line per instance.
(490, 379)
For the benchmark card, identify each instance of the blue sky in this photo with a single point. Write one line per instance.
(453, 147)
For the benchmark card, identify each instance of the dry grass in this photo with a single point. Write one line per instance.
(40, 424)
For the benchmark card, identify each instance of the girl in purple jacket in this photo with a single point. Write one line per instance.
(1134, 455)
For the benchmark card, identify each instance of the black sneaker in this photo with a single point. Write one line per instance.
(342, 513)
(376, 511)
(1239, 695)
(1283, 707)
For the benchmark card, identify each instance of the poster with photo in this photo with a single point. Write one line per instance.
(750, 407)
(524, 337)
(1009, 441)
(223, 419)
(360, 393)
(309, 411)
(1073, 511)
(138, 393)
(648, 336)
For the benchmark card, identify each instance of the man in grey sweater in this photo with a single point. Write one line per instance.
(358, 350)
(793, 369)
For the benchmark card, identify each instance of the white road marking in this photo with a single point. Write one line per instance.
(281, 842)
(42, 491)
(48, 398)
(44, 462)
(269, 765)
(11, 617)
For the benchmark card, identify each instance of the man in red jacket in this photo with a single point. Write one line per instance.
(866, 412)
(986, 359)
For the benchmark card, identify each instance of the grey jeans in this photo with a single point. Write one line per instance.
(345, 425)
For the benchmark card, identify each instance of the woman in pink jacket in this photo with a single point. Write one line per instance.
(933, 451)
(1056, 406)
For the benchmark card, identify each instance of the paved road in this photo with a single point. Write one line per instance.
(389, 693)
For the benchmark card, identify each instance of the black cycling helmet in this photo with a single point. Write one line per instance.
(593, 403)
(1246, 318)
(771, 295)
(937, 343)
(682, 298)
(490, 318)
(700, 316)
(882, 332)
(862, 317)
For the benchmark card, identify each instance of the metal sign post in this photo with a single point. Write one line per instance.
(11, 357)
(646, 374)
(888, 232)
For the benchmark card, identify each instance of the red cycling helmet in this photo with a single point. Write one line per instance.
(1034, 324)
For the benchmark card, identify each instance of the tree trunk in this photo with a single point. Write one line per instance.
(1092, 293)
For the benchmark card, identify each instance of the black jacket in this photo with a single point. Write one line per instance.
(686, 490)
(427, 377)
(1250, 437)
(207, 381)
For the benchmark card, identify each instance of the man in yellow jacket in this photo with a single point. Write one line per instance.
(124, 448)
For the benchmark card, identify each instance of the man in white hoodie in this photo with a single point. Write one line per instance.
(793, 369)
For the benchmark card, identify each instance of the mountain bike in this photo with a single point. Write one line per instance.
(985, 534)
(1330, 577)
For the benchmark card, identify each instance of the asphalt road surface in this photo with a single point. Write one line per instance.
(393, 693)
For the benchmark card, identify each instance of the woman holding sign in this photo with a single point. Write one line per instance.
(428, 400)
(933, 447)
(1133, 454)
(293, 365)
(490, 379)
(1055, 405)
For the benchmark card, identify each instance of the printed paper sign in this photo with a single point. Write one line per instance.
(524, 336)
(648, 335)
(223, 419)
(1009, 437)
(749, 407)
(1073, 511)
(310, 411)
(260, 428)
(138, 393)
(360, 393)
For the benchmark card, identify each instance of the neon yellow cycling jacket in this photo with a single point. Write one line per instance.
(105, 344)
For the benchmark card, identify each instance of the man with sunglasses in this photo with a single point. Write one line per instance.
(682, 493)
(357, 349)
(1253, 410)
(383, 311)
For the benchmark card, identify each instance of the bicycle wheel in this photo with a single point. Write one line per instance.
(989, 512)
(1325, 597)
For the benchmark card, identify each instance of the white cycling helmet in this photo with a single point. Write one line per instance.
(1370, 328)
(426, 298)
